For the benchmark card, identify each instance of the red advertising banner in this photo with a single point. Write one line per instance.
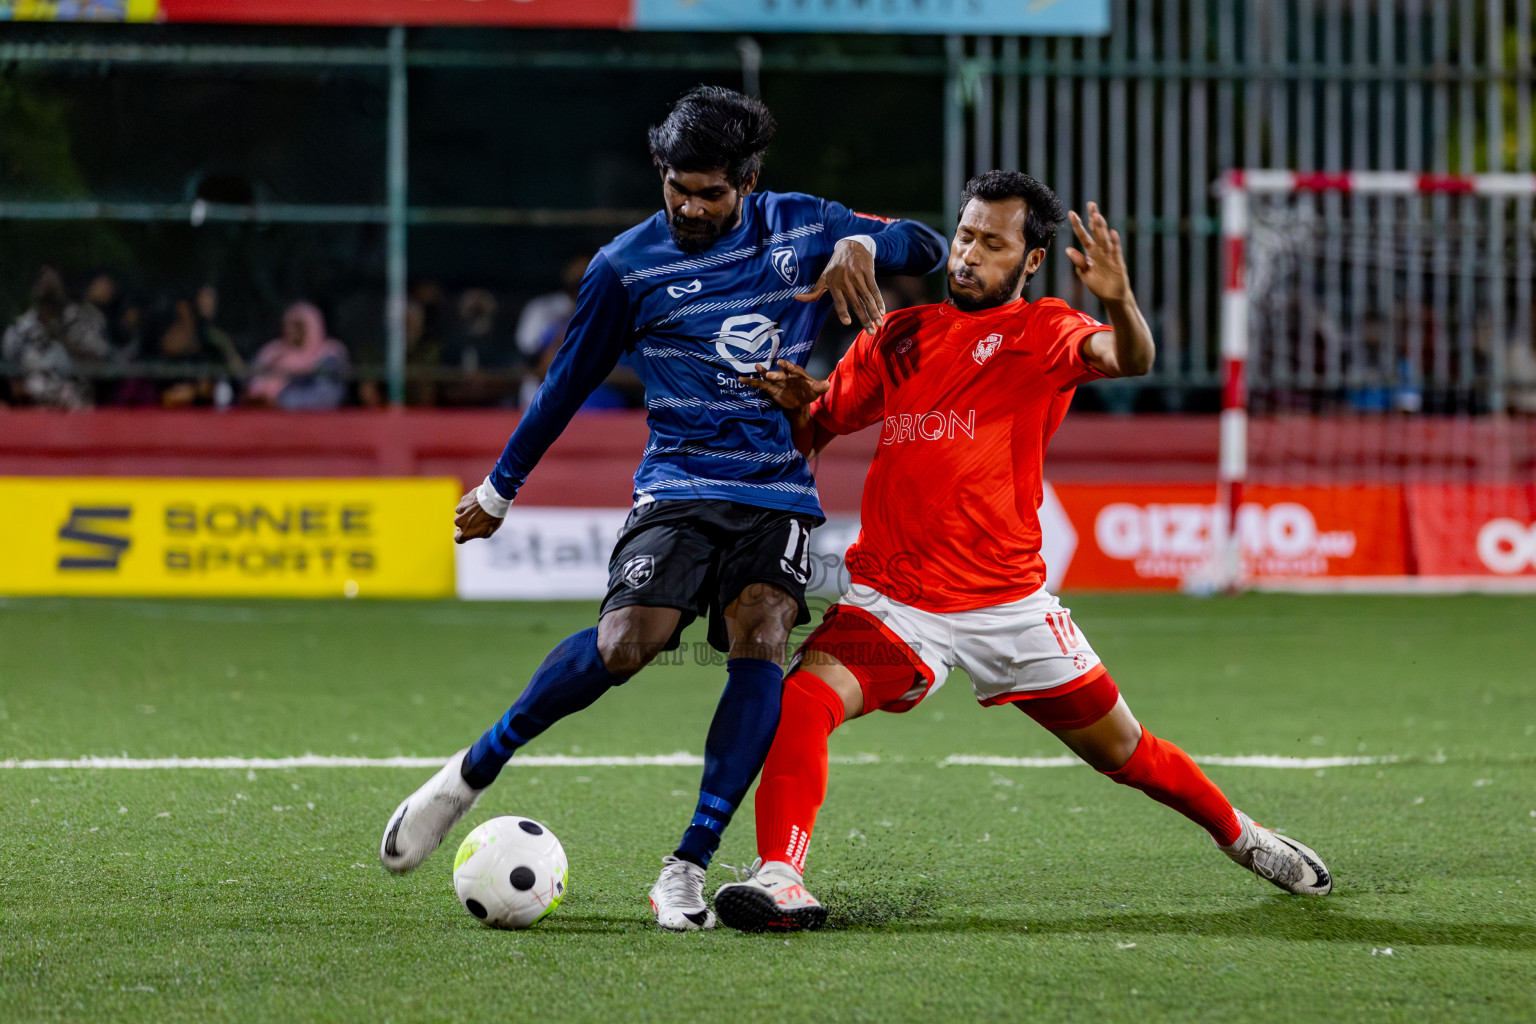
(1152, 537)
(527, 13)
(1473, 530)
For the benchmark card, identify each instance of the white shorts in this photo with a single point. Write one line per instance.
(1015, 651)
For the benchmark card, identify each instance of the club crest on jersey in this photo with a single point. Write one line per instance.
(746, 340)
(786, 263)
(637, 572)
(678, 291)
(985, 347)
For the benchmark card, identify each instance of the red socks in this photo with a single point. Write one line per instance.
(794, 780)
(1166, 774)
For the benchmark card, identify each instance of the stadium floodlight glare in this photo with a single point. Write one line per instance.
(1374, 292)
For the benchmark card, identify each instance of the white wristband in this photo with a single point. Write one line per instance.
(491, 500)
(865, 240)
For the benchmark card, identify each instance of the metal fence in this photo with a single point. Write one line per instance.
(1144, 120)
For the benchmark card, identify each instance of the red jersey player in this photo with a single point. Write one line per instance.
(947, 570)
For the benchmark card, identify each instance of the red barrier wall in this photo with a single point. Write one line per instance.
(592, 464)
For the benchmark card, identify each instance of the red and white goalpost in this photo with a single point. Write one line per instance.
(1378, 422)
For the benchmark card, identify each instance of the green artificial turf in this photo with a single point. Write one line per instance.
(955, 892)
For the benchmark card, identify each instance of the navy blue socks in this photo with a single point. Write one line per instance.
(739, 738)
(571, 678)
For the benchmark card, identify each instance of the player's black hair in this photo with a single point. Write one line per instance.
(713, 128)
(1043, 210)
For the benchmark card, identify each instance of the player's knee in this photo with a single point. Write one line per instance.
(623, 658)
(760, 621)
(808, 696)
(627, 641)
(826, 673)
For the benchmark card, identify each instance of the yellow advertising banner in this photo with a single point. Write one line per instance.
(79, 10)
(227, 538)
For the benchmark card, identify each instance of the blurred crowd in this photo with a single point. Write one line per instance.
(94, 345)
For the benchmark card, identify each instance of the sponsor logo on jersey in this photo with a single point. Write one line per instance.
(935, 425)
(637, 572)
(786, 263)
(985, 347)
(679, 291)
(744, 341)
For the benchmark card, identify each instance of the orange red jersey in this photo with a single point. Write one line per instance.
(966, 403)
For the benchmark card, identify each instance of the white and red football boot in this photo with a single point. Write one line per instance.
(773, 897)
(1293, 866)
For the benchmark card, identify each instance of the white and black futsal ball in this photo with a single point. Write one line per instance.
(510, 872)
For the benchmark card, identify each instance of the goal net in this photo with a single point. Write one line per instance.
(1379, 405)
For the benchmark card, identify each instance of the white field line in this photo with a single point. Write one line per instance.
(1244, 761)
(680, 759)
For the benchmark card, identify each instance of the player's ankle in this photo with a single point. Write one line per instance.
(780, 867)
(1244, 841)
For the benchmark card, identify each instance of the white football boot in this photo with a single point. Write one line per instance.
(419, 824)
(772, 898)
(1294, 867)
(677, 898)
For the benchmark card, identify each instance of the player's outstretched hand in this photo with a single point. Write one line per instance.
(789, 386)
(1100, 264)
(471, 522)
(850, 279)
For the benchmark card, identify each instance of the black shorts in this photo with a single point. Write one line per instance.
(698, 556)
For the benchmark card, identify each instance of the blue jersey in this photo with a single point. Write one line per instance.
(695, 323)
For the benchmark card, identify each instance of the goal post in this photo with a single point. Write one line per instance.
(1378, 363)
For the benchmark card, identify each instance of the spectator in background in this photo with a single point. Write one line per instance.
(213, 338)
(195, 359)
(302, 369)
(50, 344)
(103, 303)
(621, 389)
(545, 311)
(423, 349)
(484, 358)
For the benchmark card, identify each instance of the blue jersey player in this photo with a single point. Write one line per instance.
(723, 280)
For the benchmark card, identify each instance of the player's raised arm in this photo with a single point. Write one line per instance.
(1128, 350)
(867, 244)
(593, 341)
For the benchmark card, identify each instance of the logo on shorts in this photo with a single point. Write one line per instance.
(787, 264)
(637, 572)
(1080, 662)
(985, 347)
(801, 575)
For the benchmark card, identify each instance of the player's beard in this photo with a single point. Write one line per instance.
(700, 233)
(990, 298)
